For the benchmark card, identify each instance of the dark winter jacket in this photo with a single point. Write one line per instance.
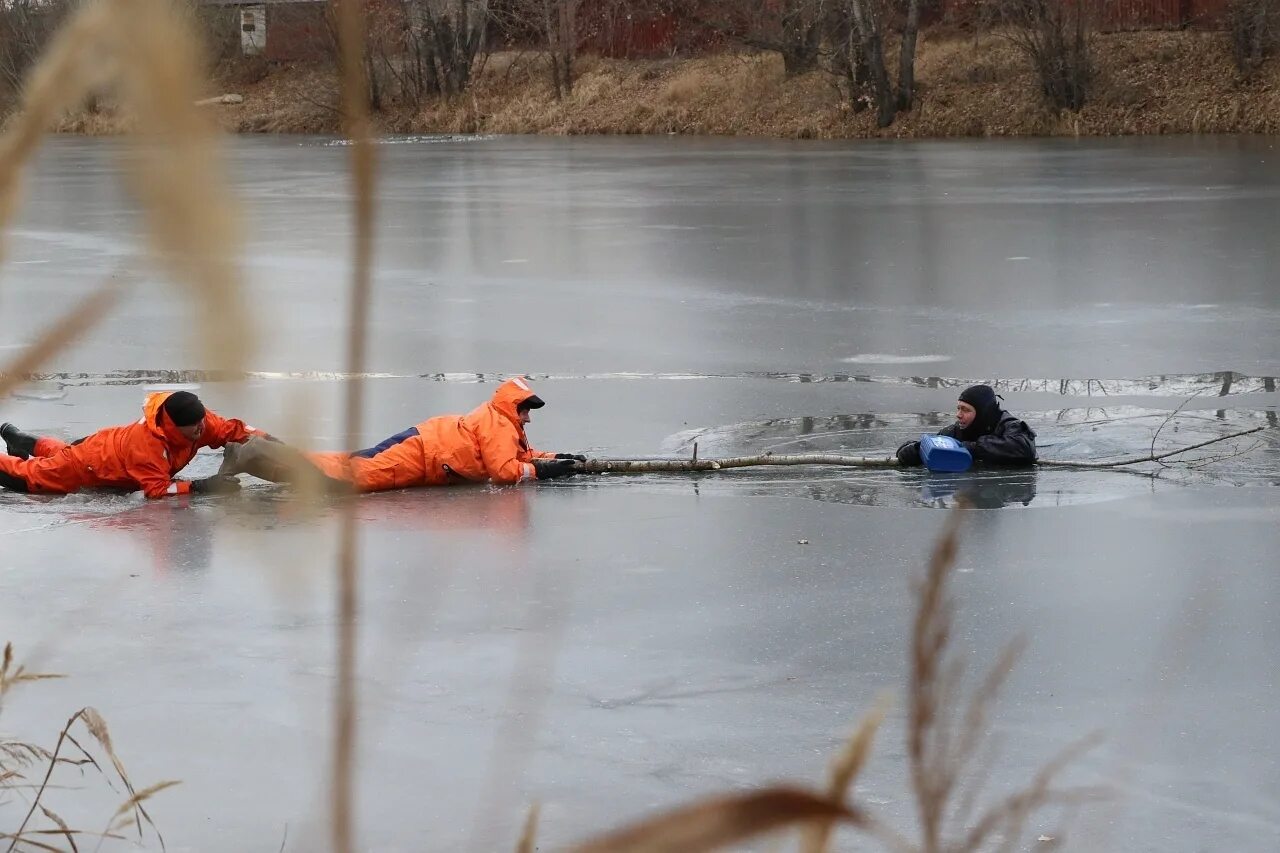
(1009, 442)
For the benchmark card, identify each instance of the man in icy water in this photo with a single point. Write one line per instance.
(486, 445)
(144, 455)
(990, 434)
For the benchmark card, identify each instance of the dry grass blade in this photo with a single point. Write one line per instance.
(44, 783)
(845, 771)
(97, 727)
(23, 754)
(714, 823)
(70, 327)
(1013, 811)
(142, 796)
(62, 825)
(930, 685)
(530, 831)
(973, 729)
(27, 841)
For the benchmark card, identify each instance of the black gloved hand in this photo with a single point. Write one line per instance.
(909, 454)
(576, 457)
(549, 469)
(218, 485)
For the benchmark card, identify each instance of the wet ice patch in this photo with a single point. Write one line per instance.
(889, 358)
(412, 139)
(1086, 434)
(40, 391)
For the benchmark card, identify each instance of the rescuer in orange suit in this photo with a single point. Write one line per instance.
(144, 455)
(486, 445)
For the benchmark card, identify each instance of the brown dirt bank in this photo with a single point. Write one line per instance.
(1148, 83)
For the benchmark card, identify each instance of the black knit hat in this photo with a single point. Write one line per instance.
(979, 396)
(184, 408)
(986, 403)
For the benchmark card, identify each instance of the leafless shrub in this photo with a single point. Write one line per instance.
(1056, 37)
(791, 28)
(25, 28)
(556, 27)
(1253, 27)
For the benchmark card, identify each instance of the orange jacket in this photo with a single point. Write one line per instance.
(487, 444)
(143, 455)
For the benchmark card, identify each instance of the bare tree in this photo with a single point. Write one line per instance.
(791, 28)
(1254, 29)
(1056, 37)
(556, 26)
(25, 27)
(861, 32)
(417, 48)
(450, 34)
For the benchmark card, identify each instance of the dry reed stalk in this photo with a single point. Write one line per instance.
(942, 742)
(928, 686)
(717, 822)
(527, 842)
(132, 809)
(845, 771)
(62, 827)
(11, 675)
(354, 93)
(69, 328)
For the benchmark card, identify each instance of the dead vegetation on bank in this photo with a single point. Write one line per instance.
(1147, 83)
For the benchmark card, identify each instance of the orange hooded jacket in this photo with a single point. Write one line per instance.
(143, 455)
(487, 444)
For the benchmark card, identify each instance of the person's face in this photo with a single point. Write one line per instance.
(192, 433)
(524, 415)
(965, 414)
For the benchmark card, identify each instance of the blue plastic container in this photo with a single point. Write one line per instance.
(943, 453)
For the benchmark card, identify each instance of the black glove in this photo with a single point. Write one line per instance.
(549, 469)
(576, 457)
(220, 485)
(909, 454)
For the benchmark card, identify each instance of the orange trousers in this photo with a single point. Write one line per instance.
(49, 471)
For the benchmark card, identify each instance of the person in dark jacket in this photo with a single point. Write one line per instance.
(987, 431)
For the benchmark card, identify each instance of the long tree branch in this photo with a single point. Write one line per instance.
(1155, 457)
(652, 466)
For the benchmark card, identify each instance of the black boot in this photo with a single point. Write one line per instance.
(8, 481)
(16, 442)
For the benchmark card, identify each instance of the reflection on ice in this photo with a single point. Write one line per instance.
(1214, 384)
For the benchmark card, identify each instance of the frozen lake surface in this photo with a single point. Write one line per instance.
(612, 645)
